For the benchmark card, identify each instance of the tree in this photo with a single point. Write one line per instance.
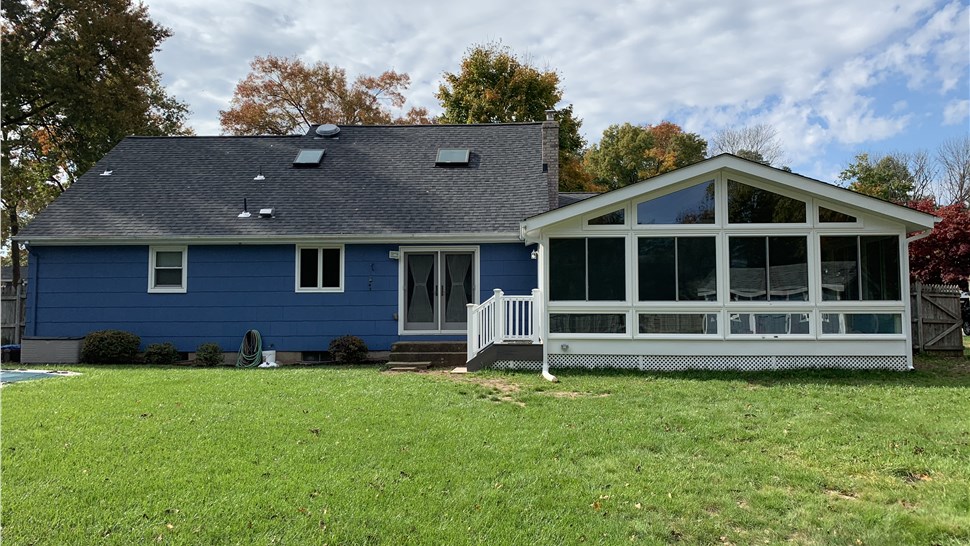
(78, 76)
(756, 142)
(282, 96)
(943, 256)
(629, 153)
(495, 86)
(954, 158)
(887, 178)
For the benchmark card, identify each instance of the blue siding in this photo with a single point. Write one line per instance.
(231, 289)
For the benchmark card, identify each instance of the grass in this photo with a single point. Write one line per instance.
(123, 455)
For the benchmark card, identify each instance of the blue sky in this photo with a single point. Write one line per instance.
(833, 77)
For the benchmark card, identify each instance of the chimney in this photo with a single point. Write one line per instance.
(550, 156)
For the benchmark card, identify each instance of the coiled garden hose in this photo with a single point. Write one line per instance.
(250, 350)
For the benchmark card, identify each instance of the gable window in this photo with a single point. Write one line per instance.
(860, 268)
(751, 205)
(677, 268)
(829, 216)
(693, 205)
(615, 218)
(167, 269)
(319, 269)
(769, 268)
(587, 269)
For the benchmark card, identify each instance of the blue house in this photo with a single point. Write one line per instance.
(443, 232)
(383, 232)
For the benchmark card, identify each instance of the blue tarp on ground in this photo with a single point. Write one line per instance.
(10, 376)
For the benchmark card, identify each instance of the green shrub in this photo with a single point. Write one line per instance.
(348, 349)
(161, 353)
(209, 354)
(110, 347)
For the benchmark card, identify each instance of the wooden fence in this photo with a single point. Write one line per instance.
(936, 318)
(13, 313)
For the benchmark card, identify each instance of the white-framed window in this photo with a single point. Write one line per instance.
(319, 268)
(167, 269)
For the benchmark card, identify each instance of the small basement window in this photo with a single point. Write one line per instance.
(319, 268)
(449, 157)
(308, 158)
(167, 269)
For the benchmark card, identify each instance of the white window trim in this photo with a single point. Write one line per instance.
(318, 289)
(152, 251)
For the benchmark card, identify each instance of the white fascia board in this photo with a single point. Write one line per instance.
(913, 219)
(383, 238)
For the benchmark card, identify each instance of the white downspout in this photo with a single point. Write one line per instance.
(909, 307)
(542, 314)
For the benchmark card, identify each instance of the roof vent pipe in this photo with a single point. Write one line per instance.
(245, 212)
(260, 175)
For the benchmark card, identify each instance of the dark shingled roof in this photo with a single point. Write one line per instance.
(372, 180)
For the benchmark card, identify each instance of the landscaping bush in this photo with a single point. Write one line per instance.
(209, 354)
(161, 353)
(110, 347)
(348, 349)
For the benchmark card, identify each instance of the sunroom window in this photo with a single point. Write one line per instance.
(677, 268)
(769, 268)
(615, 218)
(319, 269)
(587, 269)
(876, 257)
(751, 205)
(693, 205)
(829, 216)
(587, 323)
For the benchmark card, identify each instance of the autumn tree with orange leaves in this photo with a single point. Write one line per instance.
(629, 153)
(282, 96)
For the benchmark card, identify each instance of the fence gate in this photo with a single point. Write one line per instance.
(936, 318)
(12, 313)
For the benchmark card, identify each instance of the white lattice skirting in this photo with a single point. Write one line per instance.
(683, 363)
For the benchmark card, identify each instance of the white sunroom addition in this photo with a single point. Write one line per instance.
(726, 264)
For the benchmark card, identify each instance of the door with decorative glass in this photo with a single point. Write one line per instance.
(438, 284)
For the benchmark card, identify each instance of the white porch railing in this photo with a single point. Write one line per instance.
(503, 319)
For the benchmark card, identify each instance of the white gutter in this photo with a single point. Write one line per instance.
(919, 235)
(378, 238)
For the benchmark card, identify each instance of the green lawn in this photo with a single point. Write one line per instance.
(130, 455)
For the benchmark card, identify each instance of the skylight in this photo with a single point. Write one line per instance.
(452, 156)
(308, 158)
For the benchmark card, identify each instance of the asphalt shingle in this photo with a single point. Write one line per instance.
(372, 180)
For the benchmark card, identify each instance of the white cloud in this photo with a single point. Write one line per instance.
(814, 70)
(956, 112)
